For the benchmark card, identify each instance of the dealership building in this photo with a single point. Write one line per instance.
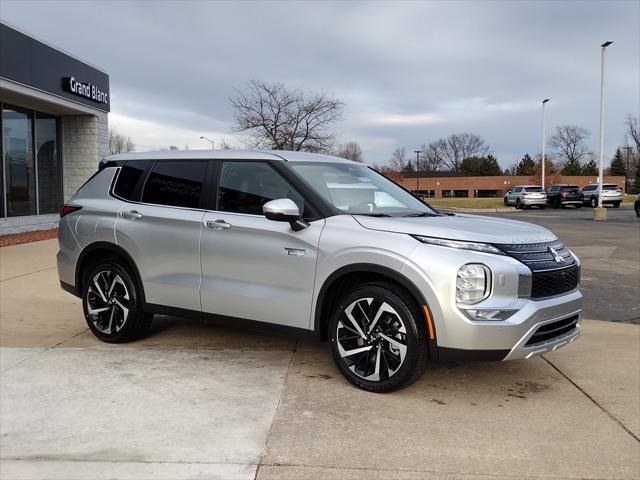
(54, 128)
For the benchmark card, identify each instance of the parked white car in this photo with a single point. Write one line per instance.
(526, 196)
(611, 194)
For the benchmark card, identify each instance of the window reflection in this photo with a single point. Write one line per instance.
(18, 162)
(48, 158)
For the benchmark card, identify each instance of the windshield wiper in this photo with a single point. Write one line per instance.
(421, 214)
(373, 214)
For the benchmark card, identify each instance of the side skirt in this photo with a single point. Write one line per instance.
(236, 322)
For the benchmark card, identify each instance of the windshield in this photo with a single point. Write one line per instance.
(359, 190)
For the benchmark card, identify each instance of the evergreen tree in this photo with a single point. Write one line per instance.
(590, 168)
(408, 168)
(572, 167)
(526, 166)
(617, 165)
(480, 166)
(635, 188)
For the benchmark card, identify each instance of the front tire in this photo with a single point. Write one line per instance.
(378, 337)
(593, 202)
(518, 204)
(112, 303)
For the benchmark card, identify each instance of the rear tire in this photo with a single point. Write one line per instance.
(379, 356)
(112, 302)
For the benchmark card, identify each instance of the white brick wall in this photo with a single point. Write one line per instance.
(84, 143)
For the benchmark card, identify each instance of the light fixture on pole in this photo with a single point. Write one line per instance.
(600, 213)
(210, 141)
(417, 152)
(542, 159)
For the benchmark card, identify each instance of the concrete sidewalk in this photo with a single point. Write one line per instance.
(202, 401)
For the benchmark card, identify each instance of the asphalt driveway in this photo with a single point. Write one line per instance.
(203, 401)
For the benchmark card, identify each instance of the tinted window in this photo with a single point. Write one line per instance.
(568, 188)
(178, 183)
(533, 189)
(128, 179)
(246, 186)
(589, 188)
(610, 187)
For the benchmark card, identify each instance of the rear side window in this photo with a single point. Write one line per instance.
(128, 178)
(176, 183)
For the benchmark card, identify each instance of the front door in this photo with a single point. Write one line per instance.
(254, 268)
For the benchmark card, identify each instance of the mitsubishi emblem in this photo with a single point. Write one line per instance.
(556, 255)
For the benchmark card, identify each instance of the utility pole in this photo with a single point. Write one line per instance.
(542, 159)
(417, 152)
(600, 213)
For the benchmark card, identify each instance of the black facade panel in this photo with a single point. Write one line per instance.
(30, 62)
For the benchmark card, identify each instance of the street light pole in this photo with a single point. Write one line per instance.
(542, 159)
(417, 152)
(600, 213)
(210, 141)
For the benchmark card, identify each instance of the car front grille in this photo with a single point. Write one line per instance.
(556, 282)
(552, 330)
(555, 270)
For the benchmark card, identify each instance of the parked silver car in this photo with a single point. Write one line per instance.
(316, 245)
(611, 195)
(526, 196)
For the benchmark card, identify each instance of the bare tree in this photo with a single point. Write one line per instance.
(119, 143)
(280, 118)
(449, 152)
(223, 145)
(633, 130)
(431, 160)
(569, 144)
(350, 151)
(399, 159)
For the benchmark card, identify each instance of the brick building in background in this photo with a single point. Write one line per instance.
(448, 184)
(54, 129)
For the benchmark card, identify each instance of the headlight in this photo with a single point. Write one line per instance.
(473, 283)
(459, 244)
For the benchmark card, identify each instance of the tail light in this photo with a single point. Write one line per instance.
(67, 209)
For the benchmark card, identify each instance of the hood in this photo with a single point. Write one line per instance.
(473, 228)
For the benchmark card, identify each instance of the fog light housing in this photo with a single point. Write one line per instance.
(473, 283)
(488, 314)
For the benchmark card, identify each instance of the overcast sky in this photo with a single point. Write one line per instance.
(409, 73)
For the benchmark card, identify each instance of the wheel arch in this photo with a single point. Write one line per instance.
(94, 250)
(350, 275)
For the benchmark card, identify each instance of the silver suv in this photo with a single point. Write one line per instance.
(526, 196)
(318, 246)
(611, 194)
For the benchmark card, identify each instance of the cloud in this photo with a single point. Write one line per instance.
(409, 72)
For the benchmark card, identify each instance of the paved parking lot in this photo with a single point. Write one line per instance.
(609, 252)
(203, 401)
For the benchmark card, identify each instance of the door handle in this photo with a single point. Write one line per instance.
(132, 215)
(217, 225)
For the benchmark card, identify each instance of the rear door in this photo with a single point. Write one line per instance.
(254, 268)
(162, 231)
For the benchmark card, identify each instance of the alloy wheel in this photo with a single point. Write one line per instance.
(107, 302)
(371, 339)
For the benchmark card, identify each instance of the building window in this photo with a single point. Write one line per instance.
(455, 193)
(31, 169)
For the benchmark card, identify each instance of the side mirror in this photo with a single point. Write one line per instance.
(284, 210)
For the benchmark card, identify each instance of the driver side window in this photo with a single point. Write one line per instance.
(246, 186)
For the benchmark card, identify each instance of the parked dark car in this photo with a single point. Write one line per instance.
(636, 205)
(561, 195)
